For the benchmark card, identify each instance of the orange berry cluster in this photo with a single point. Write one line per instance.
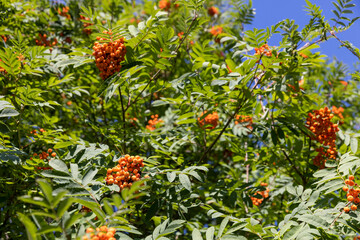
(43, 41)
(45, 156)
(2, 69)
(86, 30)
(109, 55)
(132, 120)
(210, 119)
(319, 122)
(264, 49)
(242, 118)
(352, 194)
(344, 83)
(101, 233)
(4, 38)
(338, 111)
(134, 20)
(164, 4)
(215, 31)
(64, 12)
(126, 172)
(153, 121)
(35, 131)
(264, 194)
(213, 11)
(180, 35)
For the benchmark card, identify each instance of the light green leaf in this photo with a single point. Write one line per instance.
(185, 181)
(29, 225)
(59, 166)
(89, 176)
(354, 145)
(196, 235)
(210, 233)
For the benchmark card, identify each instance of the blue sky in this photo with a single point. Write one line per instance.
(269, 12)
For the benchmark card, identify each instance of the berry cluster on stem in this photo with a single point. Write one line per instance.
(109, 55)
(319, 123)
(153, 122)
(126, 172)
(264, 194)
(244, 119)
(211, 119)
(101, 233)
(352, 194)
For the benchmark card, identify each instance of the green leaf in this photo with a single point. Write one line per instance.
(196, 235)
(187, 121)
(64, 206)
(59, 166)
(89, 176)
(223, 226)
(41, 202)
(152, 210)
(59, 197)
(48, 229)
(293, 232)
(274, 137)
(133, 30)
(210, 233)
(9, 112)
(185, 181)
(54, 174)
(354, 145)
(73, 218)
(46, 189)
(74, 170)
(29, 225)
(63, 145)
(171, 176)
(313, 220)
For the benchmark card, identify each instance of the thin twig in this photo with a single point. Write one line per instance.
(345, 45)
(333, 222)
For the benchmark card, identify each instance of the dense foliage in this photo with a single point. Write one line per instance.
(170, 120)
